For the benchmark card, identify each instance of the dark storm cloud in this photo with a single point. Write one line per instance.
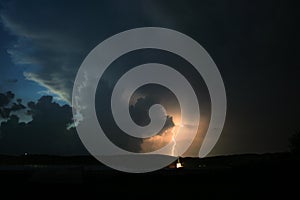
(7, 106)
(47, 133)
(142, 100)
(6, 98)
(139, 112)
(254, 44)
(56, 36)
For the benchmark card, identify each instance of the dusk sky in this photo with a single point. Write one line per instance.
(254, 44)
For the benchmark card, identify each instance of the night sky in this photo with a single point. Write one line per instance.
(255, 45)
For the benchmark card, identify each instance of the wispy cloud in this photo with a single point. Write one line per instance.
(53, 41)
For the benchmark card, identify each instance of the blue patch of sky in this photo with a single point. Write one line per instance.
(12, 75)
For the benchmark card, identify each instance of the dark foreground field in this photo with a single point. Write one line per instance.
(239, 175)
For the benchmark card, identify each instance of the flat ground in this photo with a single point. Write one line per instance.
(240, 175)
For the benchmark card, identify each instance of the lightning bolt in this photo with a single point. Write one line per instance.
(173, 140)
